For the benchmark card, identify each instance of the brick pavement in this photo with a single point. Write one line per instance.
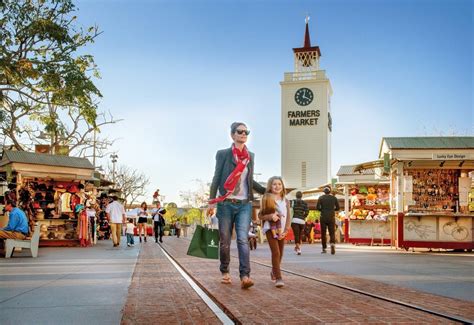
(301, 301)
(158, 294)
(450, 306)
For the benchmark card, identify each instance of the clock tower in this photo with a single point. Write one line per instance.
(306, 122)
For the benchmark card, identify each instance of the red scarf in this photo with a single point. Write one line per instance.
(242, 158)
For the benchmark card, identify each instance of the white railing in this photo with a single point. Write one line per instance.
(309, 75)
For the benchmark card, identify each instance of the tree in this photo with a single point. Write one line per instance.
(44, 84)
(171, 212)
(197, 197)
(194, 216)
(130, 182)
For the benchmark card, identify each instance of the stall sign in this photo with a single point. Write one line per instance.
(386, 163)
(452, 156)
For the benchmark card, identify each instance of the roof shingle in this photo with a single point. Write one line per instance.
(10, 156)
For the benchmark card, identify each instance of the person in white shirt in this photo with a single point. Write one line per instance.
(158, 221)
(115, 213)
(130, 232)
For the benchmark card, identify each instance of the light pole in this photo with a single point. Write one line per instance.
(114, 160)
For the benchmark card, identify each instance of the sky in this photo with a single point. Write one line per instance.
(179, 72)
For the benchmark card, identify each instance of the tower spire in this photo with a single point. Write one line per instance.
(307, 57)
(307, 40)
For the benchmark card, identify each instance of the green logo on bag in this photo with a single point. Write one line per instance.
(212, 243)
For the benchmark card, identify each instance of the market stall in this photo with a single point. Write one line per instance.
(366, 205)
(55, 191)
(431, 180)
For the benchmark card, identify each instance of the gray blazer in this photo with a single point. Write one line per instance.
(225, 164)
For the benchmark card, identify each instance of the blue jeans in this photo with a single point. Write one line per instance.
(230, 214)
(130, 239)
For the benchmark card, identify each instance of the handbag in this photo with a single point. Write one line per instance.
(205, 243)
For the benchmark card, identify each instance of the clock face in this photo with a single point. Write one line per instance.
(304, 96)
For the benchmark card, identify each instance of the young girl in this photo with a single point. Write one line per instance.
(269, 206)
(276, 190)
(142, 221)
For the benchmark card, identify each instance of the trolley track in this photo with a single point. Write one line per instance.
(227, 311)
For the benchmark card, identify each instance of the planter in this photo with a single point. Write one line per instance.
(166, 233)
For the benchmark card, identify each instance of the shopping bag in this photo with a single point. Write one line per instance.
(205, 243)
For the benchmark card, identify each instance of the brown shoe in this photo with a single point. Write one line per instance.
(246, 282)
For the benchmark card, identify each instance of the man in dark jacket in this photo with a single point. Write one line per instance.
(328, 205)
(231, 189)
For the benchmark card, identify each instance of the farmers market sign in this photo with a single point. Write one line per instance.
(308, 117)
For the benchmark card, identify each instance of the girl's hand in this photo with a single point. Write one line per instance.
(275, 217)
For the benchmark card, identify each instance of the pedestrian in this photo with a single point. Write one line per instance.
(142, 221)
(115, 213)
(328, 205)
(159, 223)
(214, 222)
(177, 226)
(300, 212)
(130, 232)
(156, 219)
(276, 188)
(252, 236)
(232, 184)
(17, 227)
(317, 230)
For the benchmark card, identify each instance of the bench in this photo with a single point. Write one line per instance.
(31, 243)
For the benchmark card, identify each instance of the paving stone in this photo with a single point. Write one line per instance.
(301, 301)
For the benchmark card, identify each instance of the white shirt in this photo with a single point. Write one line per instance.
(115, 211)
(142, 213)
(155, 214)
(90, 212)
(130, 228)
(242, 186)
(282, 211)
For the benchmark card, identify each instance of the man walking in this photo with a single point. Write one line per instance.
(328, 205)
(116, 215)
(158, 222)
(233, 183)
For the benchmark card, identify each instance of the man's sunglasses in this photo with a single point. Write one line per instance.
(247, 132)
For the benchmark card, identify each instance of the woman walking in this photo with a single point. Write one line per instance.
(142, 221)
(300, 212)
(276, 188)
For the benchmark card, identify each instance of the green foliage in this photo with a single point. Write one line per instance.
(194, 215)
(40, 68)
(313, 215)
(171, 212)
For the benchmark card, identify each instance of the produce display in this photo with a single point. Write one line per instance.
(370, 202)
(471, 200)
